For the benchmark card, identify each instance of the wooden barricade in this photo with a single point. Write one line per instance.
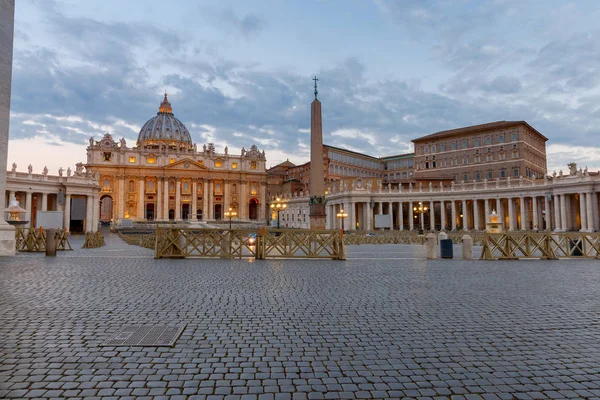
(93, 240)
(547, 245)
(177, 242)
(34, 240)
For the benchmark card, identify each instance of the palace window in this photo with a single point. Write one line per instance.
(151, 159)
(478, 176)
(253, 190)
(502, 173)
(516, 172)
(490, 174)
(433, 148)
(476, 142)
(186, 187)
(515, 154)
(218, 163)
(465, 143)
(514, 137)
(426, 149)
(107, 156)
(488, 140)
(453, 146)
(106, 184)
(150, 186)
(501, 138)
(443, 147)
(171, 161)
(253, 165)
(131, 159)
(489, 157)
(465, 177)
(502, 156)
(234, 165)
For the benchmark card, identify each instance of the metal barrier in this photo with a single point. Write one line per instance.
(550, 246)
(34, 239)
(172, 242)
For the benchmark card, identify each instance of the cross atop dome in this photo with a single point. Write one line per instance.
(165, 106)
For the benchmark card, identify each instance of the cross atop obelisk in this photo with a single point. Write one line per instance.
(317, 179)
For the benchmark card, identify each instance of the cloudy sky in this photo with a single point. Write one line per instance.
(239, 73)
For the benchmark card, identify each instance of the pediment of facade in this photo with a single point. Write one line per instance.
(186, 165)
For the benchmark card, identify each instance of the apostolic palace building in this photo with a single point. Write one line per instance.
(452, 181)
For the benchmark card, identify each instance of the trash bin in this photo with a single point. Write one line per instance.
(446, 248)
(575, 247)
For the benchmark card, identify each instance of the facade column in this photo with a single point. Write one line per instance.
(589, 211)
(511, 214)
(547, 214)
(563, 212)
(476, 225)
(67, 214)
(534, 207)
(352, 215)
(400, 216)
(89, 213)
(453, 210)
(140, 208)
(29, 206)
(158, 208)
(166, 199)
(391, 212)
(465, 219)
(121, 199)
(211, 197)
(195, 200)
(422, 216)
(95, 213)
(582, 212)
(443, 224)
(524, 211)
(205, 198)
(411, 219)
(431, 216)
(178, 200)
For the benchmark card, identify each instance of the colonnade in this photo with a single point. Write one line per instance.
(558, 212)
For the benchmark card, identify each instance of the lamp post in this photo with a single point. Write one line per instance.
(420, 210)
(278, 206)
(230, 214)
(341, 215)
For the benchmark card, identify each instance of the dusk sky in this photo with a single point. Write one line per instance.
(239, 73)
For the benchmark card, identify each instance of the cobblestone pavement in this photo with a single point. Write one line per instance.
(384, 324)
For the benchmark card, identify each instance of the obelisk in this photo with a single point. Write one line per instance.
(317, 179)
(7, 24)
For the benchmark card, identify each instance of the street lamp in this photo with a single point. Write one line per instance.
(278, 206)
(341, 215)
(421, 209)
(230, 214)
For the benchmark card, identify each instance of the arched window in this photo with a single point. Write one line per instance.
(106, 183)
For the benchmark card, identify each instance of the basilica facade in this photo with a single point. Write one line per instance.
(166, 177)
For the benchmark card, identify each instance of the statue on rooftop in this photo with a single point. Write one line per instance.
(45, 171)
(60, 171)
(68, 171)
(30, 168)
(14, 167)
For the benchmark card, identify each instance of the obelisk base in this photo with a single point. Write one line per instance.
(8, 243)
(317, 217)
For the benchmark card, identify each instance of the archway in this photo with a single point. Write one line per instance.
(106, 209)
(171, 214)
(253, 209)
(149, 211)
(199, 215)
(185, 210)
(218, 211)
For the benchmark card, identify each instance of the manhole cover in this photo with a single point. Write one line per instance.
(145, 336)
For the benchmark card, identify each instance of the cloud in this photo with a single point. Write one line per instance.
(248, 26)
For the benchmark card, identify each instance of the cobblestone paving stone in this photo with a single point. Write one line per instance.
(374, 326)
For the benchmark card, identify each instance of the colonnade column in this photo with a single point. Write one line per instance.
(166, 200)
(523, 208)
(44, 201)
(476, 215)
(563, 212)
(443, 224)
(11, 195)
(500, 211)
(29, 206)
(486, 212)
(453, 209)
(369, 222)
(195, 200)
(431, 216)
(67, 213)
(511, 214)
(547, 219)
(89, 213)
(178, 216)
(140, 208)
(534, 207)
(589, 211)
(411, 222)
(95, 213)
(352, 216)
(557, 219)
(400, 216)
(158, 209)
(465, 219)
(582, 212)
(391, 212)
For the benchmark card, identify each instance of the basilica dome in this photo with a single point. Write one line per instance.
(164, 129)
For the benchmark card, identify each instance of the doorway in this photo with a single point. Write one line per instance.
(149, 211)
(253, 209)
(185, 211)
(171, 214)
(218, 211)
